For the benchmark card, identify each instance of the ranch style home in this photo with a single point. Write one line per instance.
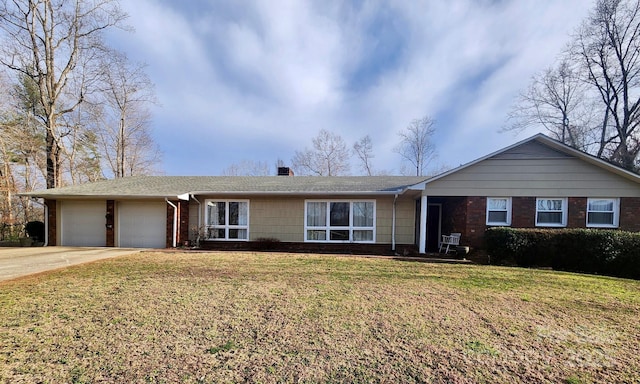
(536, 183)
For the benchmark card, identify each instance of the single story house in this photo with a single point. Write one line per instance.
(538, 182)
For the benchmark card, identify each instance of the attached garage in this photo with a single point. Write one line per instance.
(83, 223)
(142, 224)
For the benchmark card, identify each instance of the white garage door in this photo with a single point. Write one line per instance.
(83, 223)
(142, 224)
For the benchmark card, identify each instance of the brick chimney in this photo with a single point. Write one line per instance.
(285, 171)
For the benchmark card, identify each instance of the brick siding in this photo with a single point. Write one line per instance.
(523, 212)
(630, 214)
(52, 222)
(182, 233)
(577, 212)
(183, 221)
(301, 247)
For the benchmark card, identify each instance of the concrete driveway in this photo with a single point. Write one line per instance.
(17, 262)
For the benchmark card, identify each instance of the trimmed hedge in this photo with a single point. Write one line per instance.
(598, 251)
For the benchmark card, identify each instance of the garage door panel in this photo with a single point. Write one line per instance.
(142, 224)
(83, 223)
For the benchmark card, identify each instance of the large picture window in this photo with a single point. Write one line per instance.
(340, 221)
(603, 213)
(551, 212)
(498, 211)
(227, 220)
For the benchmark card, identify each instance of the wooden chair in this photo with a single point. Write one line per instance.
(452, 240)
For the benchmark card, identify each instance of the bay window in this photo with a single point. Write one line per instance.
(603, 213)
(551, 212)
(340, 221)
(227, 220)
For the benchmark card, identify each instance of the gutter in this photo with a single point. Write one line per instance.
(175, 220)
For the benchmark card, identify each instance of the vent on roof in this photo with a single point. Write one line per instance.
(285, 171)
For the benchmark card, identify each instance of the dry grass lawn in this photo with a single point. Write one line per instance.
(293, 318)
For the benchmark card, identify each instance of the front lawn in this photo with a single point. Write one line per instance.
(268, 317)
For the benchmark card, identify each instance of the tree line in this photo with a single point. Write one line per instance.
(73, 109)
(330, 155)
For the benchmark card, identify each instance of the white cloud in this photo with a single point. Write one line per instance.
(257, 80)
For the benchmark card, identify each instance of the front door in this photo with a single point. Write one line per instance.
(434, 215)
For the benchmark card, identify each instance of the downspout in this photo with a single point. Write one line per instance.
(393, 224)
(175, 220)
(46, 224)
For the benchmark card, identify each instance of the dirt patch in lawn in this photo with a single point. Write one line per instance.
(294, 318)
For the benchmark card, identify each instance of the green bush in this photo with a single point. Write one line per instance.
(607, 252)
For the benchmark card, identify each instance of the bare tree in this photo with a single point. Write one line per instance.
(54, 42)
(415, 144)
(329, 156)
(122, 110)
(557, 100)
(363, 149)
(591, 101)
(608, 47)
(247, 168)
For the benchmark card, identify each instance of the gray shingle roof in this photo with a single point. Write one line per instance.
(171, 186)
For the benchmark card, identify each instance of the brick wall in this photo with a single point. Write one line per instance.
(476, 219)
(52, 222)
(183, 221)
(577, 212)
(523, 212)
(630, 214)
(182, 233)
(301, 247)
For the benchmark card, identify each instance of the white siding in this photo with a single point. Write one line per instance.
(557, 177)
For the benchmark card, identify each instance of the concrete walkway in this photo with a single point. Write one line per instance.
(17, 262)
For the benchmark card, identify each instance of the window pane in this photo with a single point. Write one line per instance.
(601, 205)
(216, 213)
(498, 217)
(339, 235)
(316, 235)
(600, 218)
(339, 215)
(233, 213)
(362, 235)
(550, 217)
(238, 234)
(363, 214)
(549, 205)
(215, 233)
(316, 214)
(497, 204)
(243, 214)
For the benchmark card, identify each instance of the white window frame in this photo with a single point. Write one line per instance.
(226, 226)
(508, 210)
(564, 211)
(351, 228)
(616, 213)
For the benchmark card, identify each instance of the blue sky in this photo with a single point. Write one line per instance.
(257, 80)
